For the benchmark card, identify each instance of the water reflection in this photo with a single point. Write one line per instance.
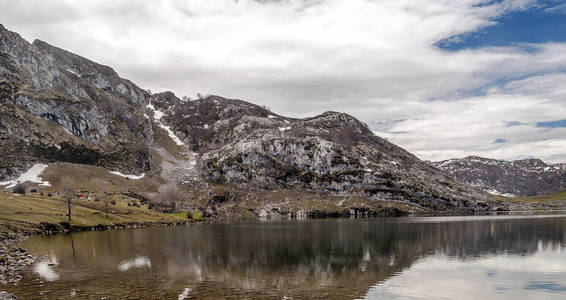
(138, 262)
(538, 276)
(336, 259)
(45, 269)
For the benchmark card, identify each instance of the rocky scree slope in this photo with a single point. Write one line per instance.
(246, 145)
(528, 177)
(58, 106)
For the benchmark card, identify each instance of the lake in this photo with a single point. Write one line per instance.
(478, 257)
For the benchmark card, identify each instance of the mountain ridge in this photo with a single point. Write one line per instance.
(526, 177)
(57, 106)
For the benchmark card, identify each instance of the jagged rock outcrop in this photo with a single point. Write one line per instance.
(244, 144)
(528, 177)
(91, 114)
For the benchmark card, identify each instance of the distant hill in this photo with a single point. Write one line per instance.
(528, 177)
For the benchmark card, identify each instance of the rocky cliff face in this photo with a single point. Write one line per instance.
(527, 177)
(246, 145)
(57, 106)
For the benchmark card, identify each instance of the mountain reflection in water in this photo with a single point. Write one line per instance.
(431, 258)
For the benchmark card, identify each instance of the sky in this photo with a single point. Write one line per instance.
(440, 78)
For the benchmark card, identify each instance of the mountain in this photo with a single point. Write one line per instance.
(528, 177)
(58, 106)
(210, 152)
(246, 145)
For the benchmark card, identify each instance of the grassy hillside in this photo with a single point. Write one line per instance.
(27, 212)
(555, 201)
(561, 196)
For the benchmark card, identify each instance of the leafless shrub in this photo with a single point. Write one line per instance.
(107, 204)
(168, 199)
(20, 188)
(68, 189)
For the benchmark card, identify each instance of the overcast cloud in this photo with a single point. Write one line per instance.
(376, 60)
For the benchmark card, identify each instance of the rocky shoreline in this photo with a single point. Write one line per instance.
(13, 259)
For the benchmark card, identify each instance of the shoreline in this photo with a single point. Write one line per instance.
(13, 258)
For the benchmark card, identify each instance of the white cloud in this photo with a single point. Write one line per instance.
(373, 59)
(470, 126)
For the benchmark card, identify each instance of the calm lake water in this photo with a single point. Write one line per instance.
(504, 257)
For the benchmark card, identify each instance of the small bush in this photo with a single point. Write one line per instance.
(49, 226)
(113, 202)
(168, 199)
(41, 193)
(96, 199)
(65, 224)
(20, 188)
(194, 215)
(49, 195)
(33, 190)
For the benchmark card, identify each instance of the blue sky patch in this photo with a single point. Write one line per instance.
(552, 124)
(548, 286)
(500, 141)
(514, 123)
(543, 23)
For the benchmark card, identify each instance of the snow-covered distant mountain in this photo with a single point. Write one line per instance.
(527, 177)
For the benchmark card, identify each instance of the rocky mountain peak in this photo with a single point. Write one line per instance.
(70, 116)
(76, 64)
(527, 177)
(101, 76)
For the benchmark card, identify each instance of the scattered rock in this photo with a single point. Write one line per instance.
(7, 296)
(13, 259)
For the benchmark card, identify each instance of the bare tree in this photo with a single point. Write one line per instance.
(106, 205)
(68, 190)
(168, 199)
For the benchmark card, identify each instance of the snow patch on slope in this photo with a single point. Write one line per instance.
(73, 72)
(31, 175)
(158, 115)
(184, 294)
(134, 177)
(498, 193)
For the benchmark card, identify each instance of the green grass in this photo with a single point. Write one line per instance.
(561, 196)
(24, 212)
(546, 199)
(196, 216)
